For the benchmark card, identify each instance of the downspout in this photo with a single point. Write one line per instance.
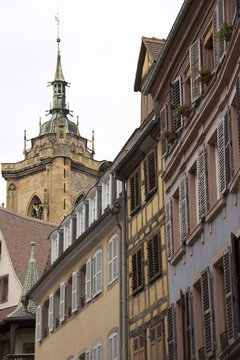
(115, 212)
(125, 271)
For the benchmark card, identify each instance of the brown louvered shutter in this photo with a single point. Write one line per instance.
(137, 270)
(195, 65)
(188, 324)
(221, 157)
(238, 110)
(135, 197)
(176, 101)
(207, 313)
(154, 258)
(183, 209)
(202, 183)
(169, 229)
(182, 310)
(150, 173)
(171, 330)
(228, 284)
(218, 20)
(163, 126)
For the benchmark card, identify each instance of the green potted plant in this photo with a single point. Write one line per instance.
(225, 32)
(167, 135)
(183, 110)
(204, 75)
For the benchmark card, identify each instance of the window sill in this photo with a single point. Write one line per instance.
(216, 209)
(234, 185)
(178, 255)
(195, 234)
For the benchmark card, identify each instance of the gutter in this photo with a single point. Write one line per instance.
(167, 45)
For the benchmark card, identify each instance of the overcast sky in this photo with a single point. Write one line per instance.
(100, 43)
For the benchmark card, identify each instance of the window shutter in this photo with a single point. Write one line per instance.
(163, 119)
(195, 65)
(137, 270)
(150, 173)
(115, 257)
(110, 261)
(169, 229)
(202, 183)
(228, 284)
(228, 145)
(207, 313)
(183, 209)
(88, 281)
(171, 329)
(238, 109)
(218, 20)
(87, 355)
(189, 324)
(52, 251)
(103, 196)
(50, 312)
(183, 324)
(39, 323)
(75, 291)
(97, 273)
(135, 198)
(221, 157)
(62, 302)
(233, 9)
(113, 347)
(176, 101)
(154, 257)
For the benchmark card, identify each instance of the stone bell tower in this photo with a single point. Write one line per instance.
(58, 169)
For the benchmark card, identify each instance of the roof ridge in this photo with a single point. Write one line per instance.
(27, 217)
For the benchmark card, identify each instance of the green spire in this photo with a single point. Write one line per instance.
(30, 279)
(59, 73)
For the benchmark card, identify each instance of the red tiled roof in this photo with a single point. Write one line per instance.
(5, 312)
(18, 231)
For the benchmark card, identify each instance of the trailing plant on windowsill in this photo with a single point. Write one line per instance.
(183, 110)
(167, 135)
(204, 75)
(225, 32)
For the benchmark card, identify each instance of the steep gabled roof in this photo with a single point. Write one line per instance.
(18, 231)
(154, 47)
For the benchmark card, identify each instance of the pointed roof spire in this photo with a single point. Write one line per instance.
(59, 73)
(30, 279)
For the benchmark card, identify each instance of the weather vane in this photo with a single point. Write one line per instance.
(57, 20)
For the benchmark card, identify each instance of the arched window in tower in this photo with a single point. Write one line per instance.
(36, 208)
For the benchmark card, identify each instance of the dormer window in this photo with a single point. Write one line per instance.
(69, 228)
(81, 219)
(107, 191)
(92, 209)
(54, 248)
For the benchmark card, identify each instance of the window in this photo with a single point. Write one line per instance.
(119, 188)
(157, 342)
(139, 344)
(54, 248)
(39, 323)
(112, 259)
(207, 49)
(50, 313)
(218, 20)
(81, 220)
(75, 291)
(97, 352)
(113, 347)
(67, 236)
(93, 209)
(4, 289)
(164, 126)
(195, 65)
(135, 192)
(107, 193)
(137, 270)
(82, 280)
(171, 331)
(154, 257)
(150, 174)
(45, 319)
(56, 308)
(93, 279)
(176, 101)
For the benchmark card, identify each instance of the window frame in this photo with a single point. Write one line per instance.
(113, 342)
(154, 257)
(135, 191)
(150, 173)
(112, 259)
(137, 270)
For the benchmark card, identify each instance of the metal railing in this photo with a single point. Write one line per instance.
(19, 356)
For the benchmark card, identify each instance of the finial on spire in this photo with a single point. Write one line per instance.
(58, 38)
(25, 143)
(32, 258)
(93, 144)
(77, 125)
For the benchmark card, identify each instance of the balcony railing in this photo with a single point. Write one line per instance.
(19, 357)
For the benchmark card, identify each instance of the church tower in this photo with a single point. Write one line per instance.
(58, 169)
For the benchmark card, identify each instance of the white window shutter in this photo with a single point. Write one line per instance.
(39, 323)
(110, 190)
(110, 261)
(74, 291)
(52, 251)
(90, 212)
(201, 184)
(87, 355)
(97, 272)
(119, 188)
(103, 197)
(218, 20)
(183, 209)
(113, 347)
(228, 289)
(57, 246)
(115, 257)
(50, 312)
(88, 281)
(176, 101)
(169, 229)
(195, 65)
(221, 157)
(62, 302)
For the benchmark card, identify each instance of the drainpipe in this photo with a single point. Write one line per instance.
(115, 212)
(125, 271)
